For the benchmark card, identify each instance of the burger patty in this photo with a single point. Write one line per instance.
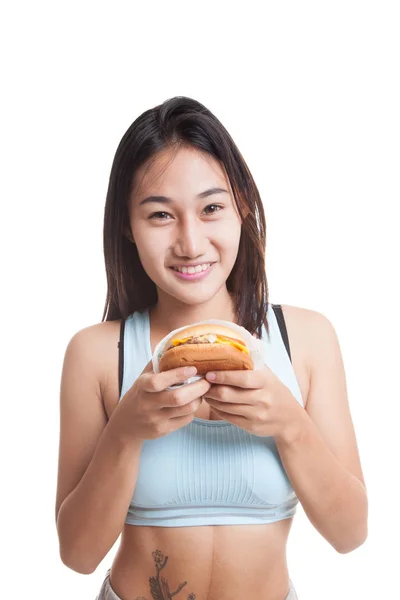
(210, 338)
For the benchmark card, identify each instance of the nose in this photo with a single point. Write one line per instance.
(190, 240)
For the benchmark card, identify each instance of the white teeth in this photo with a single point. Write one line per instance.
(192, 270)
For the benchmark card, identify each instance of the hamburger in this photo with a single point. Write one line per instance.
(208, 347)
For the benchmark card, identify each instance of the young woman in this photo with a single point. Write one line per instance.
(202, 481)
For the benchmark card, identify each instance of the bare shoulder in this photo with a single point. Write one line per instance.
(313, 335)
(296, 322)
(300, 316)
(304, 326)
(99, 349)
(101, 340)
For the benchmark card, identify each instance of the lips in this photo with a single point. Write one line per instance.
(193, 274)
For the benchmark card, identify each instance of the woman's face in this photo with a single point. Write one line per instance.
(189, 225)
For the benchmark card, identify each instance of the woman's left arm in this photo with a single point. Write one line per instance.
(319, 451)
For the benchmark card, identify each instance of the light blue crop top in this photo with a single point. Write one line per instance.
(208, 472)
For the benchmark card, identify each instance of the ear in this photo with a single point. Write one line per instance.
(128, 234)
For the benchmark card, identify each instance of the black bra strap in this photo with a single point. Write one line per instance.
(282, 326)
(121, 355)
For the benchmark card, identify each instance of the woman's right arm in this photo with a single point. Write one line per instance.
(97, 469)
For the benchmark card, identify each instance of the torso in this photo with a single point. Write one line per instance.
(217, 562)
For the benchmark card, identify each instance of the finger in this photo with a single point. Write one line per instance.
(244, 378)
(227, 408)
(185, 394)
(227, 393)
(158, 382)
(173, 412)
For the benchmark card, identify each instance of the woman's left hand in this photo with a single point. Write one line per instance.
(256, 401)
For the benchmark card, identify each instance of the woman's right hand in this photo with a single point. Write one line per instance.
(148, 410)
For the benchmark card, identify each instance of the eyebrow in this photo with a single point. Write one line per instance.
(166, 200)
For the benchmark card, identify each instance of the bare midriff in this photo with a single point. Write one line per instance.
(216, 562)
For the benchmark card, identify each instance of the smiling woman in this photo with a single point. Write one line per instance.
(201, 480)
(199, 241)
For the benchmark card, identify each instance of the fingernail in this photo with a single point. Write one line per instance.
(211, 376)
(189, 371)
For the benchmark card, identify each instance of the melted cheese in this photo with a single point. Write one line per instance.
(235, 344)
(220, 340)
(179, 342)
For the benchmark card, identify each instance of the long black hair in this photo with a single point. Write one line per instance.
(182, 121)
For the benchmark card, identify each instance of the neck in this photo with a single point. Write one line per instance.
(168, 316)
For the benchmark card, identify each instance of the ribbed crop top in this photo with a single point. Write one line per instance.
(209, 472)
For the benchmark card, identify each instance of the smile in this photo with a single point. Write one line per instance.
(191, 270)
(193, 273)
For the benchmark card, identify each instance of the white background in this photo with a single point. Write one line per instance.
(309, 91)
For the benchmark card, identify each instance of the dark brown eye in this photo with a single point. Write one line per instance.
(155, 215)
(215, 206)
